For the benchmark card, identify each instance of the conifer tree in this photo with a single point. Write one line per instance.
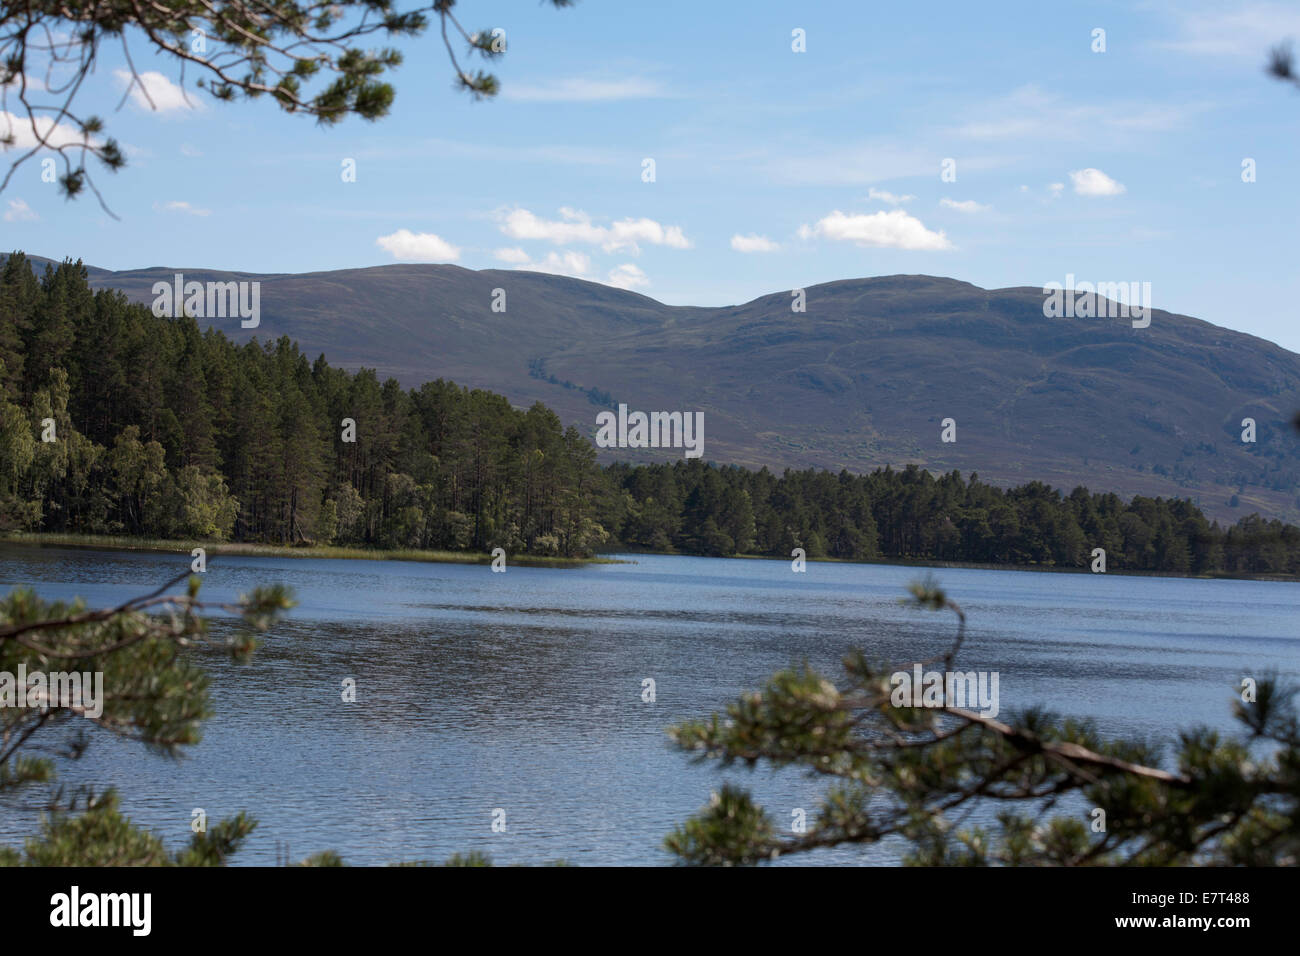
(317, 58)
(154, 692)
(911, 770)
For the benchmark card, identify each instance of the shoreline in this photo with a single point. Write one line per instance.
(92, 542)
(985, 566)
(333, 552)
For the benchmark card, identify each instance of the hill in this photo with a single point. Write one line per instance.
(863, 378)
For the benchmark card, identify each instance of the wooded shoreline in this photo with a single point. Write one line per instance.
(90, 542)
(331, 552)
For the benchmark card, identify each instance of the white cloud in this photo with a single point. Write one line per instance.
(512, 153)
(1027, 111)
(513, 255)
(964, 205)
(627, 276)
(177, 205)
(566, 262)
(191, 151)
(575, 265)
(1001, 129)
(52, 133)
(19, 211)
(154, 92)
(576, 226)
(823, 164)
(1056, 189)
(753, 243)
(888, 197)
(893, 229)
(1093, 182)
(17, 80)
(1243, 29)
(407, 246)
(585, 90)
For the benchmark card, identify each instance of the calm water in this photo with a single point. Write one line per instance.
(523, 690)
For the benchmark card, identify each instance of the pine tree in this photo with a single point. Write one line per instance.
(899, 768)
(150, 694)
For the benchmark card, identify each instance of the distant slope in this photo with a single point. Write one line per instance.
(862, 379)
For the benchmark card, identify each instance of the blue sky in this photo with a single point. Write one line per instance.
(773, 169)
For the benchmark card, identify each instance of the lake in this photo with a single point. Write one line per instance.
(522, 691)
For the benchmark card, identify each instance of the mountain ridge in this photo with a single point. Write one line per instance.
(863, 378)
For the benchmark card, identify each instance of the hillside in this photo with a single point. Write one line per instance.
(863, 378)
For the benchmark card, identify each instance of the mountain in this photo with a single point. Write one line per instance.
(863, 378)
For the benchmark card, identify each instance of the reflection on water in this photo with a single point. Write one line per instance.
(523, 690)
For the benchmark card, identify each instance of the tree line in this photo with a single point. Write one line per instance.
(910, 514)
(166, 431)
(156, 428)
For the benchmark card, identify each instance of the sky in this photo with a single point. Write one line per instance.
(773, 168)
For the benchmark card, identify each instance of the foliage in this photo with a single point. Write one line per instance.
(912, 515)
(918, 773)
(165, 431)
(153, 692)
(1281, 64)
(314, 57)
(102, 836)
